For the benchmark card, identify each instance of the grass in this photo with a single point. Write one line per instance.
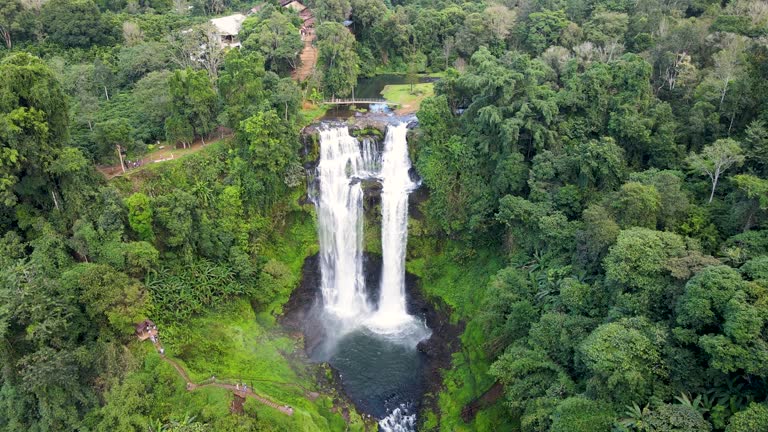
(409, 101)
(311, 112)
(236, 344)
(291, 244)
(458, 281)
(233, 345)
(178, 156)
(459, 277)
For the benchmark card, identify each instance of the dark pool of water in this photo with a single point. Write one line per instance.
(379, 375)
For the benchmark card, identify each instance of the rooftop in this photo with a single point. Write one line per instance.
(229, 25)
(295, 5)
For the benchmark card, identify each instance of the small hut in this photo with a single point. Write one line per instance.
(146, 330)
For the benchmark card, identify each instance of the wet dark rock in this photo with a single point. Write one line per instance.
(300, 312)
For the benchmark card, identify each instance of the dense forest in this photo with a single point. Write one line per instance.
(596, 211)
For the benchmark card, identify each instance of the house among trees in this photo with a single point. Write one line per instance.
(295, 5)
(227, 29)
(146, 330)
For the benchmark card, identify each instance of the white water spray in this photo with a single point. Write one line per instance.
(344, 163)
(340, 223)
(399, 420)
(396, 181)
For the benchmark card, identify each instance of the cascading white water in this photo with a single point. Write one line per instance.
(396, 185)
(371, 156)
(340, 223)
(399, 420)
(344, 163)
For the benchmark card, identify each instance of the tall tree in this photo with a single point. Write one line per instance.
(9, 15)
(715, 159)
(34, 114)
(76, 23)
(278, 40)
(193, 106)
(337, 58)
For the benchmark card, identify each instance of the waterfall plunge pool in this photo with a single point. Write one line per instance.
(378, 374)
(362, 321)
(384, 375)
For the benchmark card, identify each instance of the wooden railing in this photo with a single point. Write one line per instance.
(357, 101)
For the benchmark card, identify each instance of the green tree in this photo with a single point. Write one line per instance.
(754, 418)
(533, 385)
(193, 106)
(34, 112)
(756, 145)
(134, 62)
(269, 142)
(508, 311)
(140, 216)
(715, 159)
(637, 205)
(241, 85)
(337, 58)
(111, 298)
(674, 200)
(544, 29)
(113, 134)
(151, 99)
(579, 414)
(76, 24)
(725, 316)
(677, 418)
(637, 267)
(278, 40)
(625, 360)
(366, 15)
(332, 10)
(599, 231)
(9, 20)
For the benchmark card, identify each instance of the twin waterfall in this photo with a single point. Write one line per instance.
(344, 164)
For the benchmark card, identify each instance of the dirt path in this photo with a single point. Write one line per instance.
(486, 399)
(308, 56)
(170, 152)
(238, 390)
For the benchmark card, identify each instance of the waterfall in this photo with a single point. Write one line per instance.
(371, 156)
(340, 223)
(396, 185)
(344, 163)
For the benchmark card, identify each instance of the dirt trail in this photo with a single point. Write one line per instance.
(309, 52)
(169, 152)
(308, 61)
(236, 389)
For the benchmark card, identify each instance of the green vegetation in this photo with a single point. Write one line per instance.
(596, 216)
(623, 207)
(408, 97)
(452, 274)
(235, 345)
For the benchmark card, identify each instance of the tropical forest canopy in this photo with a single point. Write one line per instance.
(605, 160)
